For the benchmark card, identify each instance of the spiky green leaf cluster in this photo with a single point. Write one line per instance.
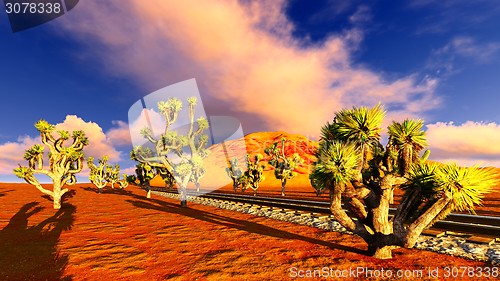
(360, 125)
(170, 106)
(423, 176)
(33, 152)
(407, 139)
(336, 164)
(465, 185)
(409, 132)
(202, 123)
(63, 134)
(44, 127)
(23, 172)
(192, 101)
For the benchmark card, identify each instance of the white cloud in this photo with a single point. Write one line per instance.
(468, 47)
(245, 59)
(467, 144)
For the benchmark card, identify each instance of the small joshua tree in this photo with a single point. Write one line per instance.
(97, 174)
(254, 175)
(361, 176)
(132, 179)
(113, 175)
(234, 172)
(190, 148)
(283, 166)
(145, 173)
(102, 174)
(65, 161)
(123, 183)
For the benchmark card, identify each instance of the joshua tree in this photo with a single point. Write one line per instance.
(190, 149)
(102, 174)
(254, 175)
(65, 161)
(283, 166)
(97, 174)
(132, 179)
(354, 166)
(234, 172)
(123, 183)
(113, 175)
(145, 174)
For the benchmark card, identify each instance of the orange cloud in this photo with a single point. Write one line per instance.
(245, 59)
(467, 144)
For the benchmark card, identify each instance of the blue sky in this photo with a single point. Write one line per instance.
(275, 65)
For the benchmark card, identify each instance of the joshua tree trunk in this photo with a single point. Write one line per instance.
(57, 194)
(283, 183)
(147, 186)
(183, 189)
(197, 187)
(183, 197)
(382, 226)
(384, 252)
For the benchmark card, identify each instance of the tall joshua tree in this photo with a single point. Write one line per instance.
(283, 166)
(234, 172)
(254, 174)
(65, 161)
(190, 148)
(354, 166)
(97, 174)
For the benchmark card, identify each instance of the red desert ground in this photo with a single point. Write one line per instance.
(121, 235)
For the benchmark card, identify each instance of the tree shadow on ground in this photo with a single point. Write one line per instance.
(248, 226)
(5, 191)
(30, 252)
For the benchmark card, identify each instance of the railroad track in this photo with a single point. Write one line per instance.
(482, 228)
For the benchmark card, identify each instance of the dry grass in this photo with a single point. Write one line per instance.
(121, 235)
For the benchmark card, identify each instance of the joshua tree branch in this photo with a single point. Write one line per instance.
(33, 181)
(416, 228)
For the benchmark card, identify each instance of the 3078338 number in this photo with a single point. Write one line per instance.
(33, 8)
